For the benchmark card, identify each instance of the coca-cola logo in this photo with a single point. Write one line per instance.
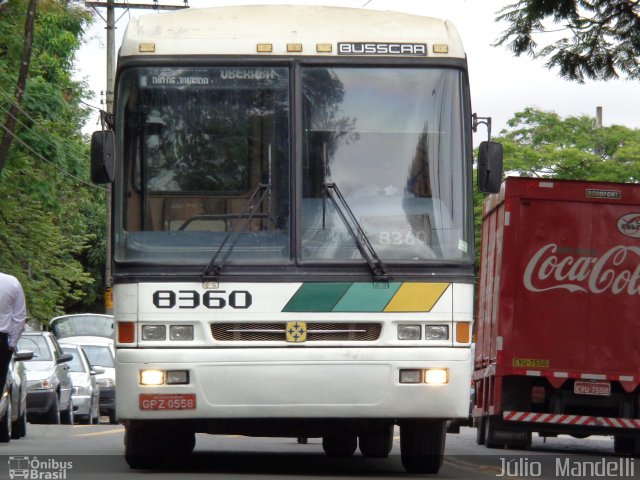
(616, 271)
(629, 225)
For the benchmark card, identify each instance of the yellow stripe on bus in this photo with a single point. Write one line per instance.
(416, 297)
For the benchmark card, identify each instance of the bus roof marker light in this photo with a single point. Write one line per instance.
(147, 47)
(264, 48)
(294, 47)
(324, 48)
(440, 48)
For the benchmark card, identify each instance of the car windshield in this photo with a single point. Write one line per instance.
(75, 364)
(36, 344)
(99, 355)
(82, 325)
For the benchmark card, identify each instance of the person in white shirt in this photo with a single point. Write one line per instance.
(13, 315)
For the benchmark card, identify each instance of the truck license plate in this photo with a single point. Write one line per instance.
(592, 388)
(173, 401)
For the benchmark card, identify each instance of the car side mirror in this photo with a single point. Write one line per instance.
(65, 357)
(97, 370)
(102, 156)
(24, 355)
(490, 167)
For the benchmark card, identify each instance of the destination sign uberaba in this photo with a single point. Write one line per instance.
(231, 76)
(378, 48)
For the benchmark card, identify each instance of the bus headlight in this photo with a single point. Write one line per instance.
(181, 332)
(151, 377)
(409, 332)
(436, 376)
(154, 332)
(436, 332)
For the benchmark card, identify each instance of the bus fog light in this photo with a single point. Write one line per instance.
(177, 377)
(151, 377)
(154, 332)
(436, 376)
(409, 332)
(436, 332)
(411, 376)
(181, 332)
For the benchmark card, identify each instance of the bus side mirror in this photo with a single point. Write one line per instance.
(489, 167)
(102, 156)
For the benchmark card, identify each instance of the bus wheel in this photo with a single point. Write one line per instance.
(422, 445)
(377, 443)
(144, 447)
(340, 445)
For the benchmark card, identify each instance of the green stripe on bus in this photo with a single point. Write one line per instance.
(366, 297)
(316, 297)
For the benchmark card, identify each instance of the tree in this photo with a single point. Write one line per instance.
(51, 217)
(603, 41)
(542, 144)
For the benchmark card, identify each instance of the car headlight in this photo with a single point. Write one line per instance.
(106, 382)
(45, 384)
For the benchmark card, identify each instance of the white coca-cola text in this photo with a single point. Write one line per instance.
(617, 271)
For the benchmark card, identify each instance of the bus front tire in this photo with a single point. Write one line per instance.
(422, 445)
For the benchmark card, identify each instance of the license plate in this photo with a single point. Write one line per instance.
(171, 401)
(592, 388)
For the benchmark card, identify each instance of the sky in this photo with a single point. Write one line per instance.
(501, 84)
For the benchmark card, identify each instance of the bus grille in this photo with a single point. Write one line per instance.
(275, 332)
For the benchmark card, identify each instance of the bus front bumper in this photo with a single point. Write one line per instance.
(292, 383)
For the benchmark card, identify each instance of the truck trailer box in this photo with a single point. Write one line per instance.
(558, 337)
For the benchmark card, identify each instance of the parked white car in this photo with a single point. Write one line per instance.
(86, 391)
(95, 333)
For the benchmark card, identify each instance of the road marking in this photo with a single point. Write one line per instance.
(95, 434)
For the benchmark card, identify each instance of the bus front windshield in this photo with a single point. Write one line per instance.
(205, 156)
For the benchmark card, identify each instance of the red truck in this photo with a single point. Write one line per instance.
(558, 331)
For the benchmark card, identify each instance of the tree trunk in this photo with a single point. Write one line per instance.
(10, 124)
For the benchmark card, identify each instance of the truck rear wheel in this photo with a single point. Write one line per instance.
(626, 445)
(422, 445)
(490, 433)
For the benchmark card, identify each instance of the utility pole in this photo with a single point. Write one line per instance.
(111, 21)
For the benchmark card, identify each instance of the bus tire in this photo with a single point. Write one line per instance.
(343, 445)
(143, 447)
(377, 443)
(422, 445)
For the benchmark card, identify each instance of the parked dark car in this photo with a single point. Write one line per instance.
(49, 384)
(13, 405)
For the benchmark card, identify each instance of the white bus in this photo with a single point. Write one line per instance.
(292, 229)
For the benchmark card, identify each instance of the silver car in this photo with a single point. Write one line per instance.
(13, 401)
(48, 381)
(86, 391)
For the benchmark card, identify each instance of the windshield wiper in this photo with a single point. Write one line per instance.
(214, 267)
(376, 265)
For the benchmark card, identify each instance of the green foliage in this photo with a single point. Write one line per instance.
(603, 41)
(542, 144)
(51, 217)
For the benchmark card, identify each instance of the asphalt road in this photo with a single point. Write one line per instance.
(94, 452)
